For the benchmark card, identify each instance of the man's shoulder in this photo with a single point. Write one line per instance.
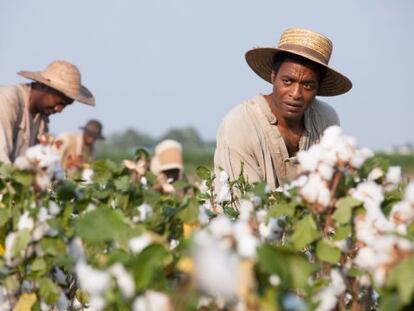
(9, 92)
(242, 111)
(325, 112)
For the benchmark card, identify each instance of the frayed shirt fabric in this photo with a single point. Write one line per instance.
(249, 135)
(18, 128)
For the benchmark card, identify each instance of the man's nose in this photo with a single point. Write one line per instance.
(296, 91)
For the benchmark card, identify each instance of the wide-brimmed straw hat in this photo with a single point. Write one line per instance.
(63, 77)
(305, 43)
(168, 155)
(93, 128)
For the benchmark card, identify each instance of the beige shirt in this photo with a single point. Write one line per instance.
(249, 134)
(71, 147)
(18, 128)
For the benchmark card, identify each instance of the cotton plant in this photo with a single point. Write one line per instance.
(44, 162)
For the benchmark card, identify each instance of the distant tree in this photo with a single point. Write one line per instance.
(188, 137)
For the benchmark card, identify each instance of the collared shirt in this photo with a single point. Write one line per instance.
(18, 128)
(249, 134)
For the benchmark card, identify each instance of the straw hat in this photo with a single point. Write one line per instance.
(305, 43)
(63, 77)
(168, 155)
(93, 128)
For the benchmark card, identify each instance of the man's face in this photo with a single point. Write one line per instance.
(88, 139)
(294, 89)
(52, 102)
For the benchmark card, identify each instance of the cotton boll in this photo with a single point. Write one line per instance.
(151, 301)
(25, 222)
(330, 137)
(216, 271)
(246, 208)
(326, 171)
(368, 192)
(409, 193)
(310, 158)
(402, 212)
(220, 227)
(360, 156)
(93, 281)
(375, 174)
(124, 280)
(139, 243)
(393, 175)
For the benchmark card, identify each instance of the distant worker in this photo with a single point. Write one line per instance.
(25, 108)
(167, 162)
(78, 148)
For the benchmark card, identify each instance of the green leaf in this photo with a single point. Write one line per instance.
(344, 206)
(342, 233)
(402, 276)
(122, 183)
(39, 265)
(48, 291)
(231, 212)
(67, 191)
(390, 302)
(23, 177)
(282, 209)
(102, 224)
(4, 216)
(305, 232)
(327, 252)
(293, 269)
(53, 246)
(149, 265)
(101, 171)
(22, 239)
(203, 172)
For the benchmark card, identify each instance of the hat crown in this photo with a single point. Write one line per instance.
(93, 127)
(64, 75)
(314, 45)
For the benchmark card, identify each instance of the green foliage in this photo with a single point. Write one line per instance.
(305, 232)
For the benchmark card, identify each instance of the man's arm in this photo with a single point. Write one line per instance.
(9, 117)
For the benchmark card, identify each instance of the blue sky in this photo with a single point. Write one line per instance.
(154, 65)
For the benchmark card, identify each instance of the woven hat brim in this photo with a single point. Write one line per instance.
(260, 61)
(84, 96)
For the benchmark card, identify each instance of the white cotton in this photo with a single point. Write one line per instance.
(360, 156)
(9, 247)
(152, 301)
(409, 193)
(402, 212)
(375, 174)
(137, 244)
(75, 249)
(393, 175)
(220, 226)
(309, 159)
(93, 281)
(246, 208)
(246, 241)
(326, 171)
(216, 271)
(328, 296)
(40, 231)
(270, 231)
(145, 211)
(274, 280)
(87, 175)
(224, 193)
(174, 243)
(62, 303)
(96, 303)
(368, 192)
(22, 163)
(43, 181)
(25, 222)
(4, 301)
(330, 137)
(124, 280)
(203, 187)
(315, 190)
(43, 215)
(54, 209)
(203, 217)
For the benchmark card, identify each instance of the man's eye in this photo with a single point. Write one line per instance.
(287, 81)
(309, 86)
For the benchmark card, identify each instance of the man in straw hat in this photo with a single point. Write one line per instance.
(167, 163)
(25, 108)
(78, 148)
(265, 132)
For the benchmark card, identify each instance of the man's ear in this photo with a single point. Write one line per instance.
(272, 76)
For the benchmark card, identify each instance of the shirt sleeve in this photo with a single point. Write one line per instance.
(234, 147)
(8, 124)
